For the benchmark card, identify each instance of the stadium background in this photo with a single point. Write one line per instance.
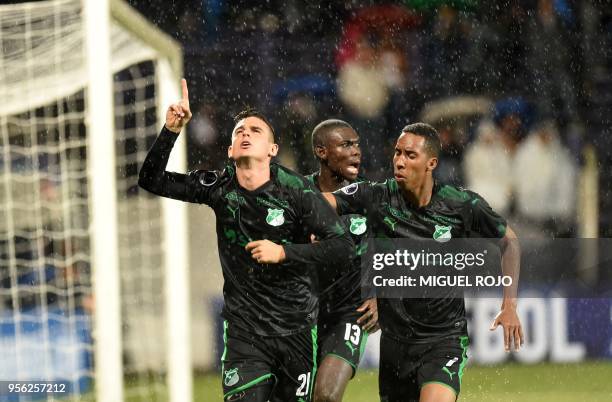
(514, 87)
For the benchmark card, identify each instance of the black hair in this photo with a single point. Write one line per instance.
(323, 129)
(432, 138)
(252, 112)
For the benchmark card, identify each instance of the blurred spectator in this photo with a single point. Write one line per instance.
(545, 180)
(513, 117)
(449, 164)
(549, 57)
(383, 21)
(363, 91)
(487, 167)
(444, 50)
(372, 80)
(203, 130)
(298, 117)
(361, 86)
(204, 134)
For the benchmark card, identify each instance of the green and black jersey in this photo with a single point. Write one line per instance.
(454, 211)
(274, 299)
(340, 290)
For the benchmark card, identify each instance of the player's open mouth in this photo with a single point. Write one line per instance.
(353, 168)
(245, 144)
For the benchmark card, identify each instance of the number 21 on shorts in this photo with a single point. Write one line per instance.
(304, 388)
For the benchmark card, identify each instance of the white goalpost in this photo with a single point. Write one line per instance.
(93, 271)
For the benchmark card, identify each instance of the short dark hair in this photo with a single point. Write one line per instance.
(432, 138)
(252, 112)
(323, 129)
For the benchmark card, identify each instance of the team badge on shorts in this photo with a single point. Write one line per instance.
(358, 225)
(231, 377)
(442, 234)
(275, 217)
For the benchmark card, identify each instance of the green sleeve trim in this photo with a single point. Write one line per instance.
(248, 385)
(441, 383)
(343, 359)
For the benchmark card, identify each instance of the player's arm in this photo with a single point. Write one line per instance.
(487, 223)
(334, 245)
(508, 317)
(352, 199)
(153, 177)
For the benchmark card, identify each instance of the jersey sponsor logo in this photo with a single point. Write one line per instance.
(358, 225)
(231, 377)
(275, 217)
(390, 222)
(350, 189)
(351, 347)
(442, 233)
(450, 373)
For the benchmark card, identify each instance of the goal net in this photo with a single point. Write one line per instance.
(54, 289)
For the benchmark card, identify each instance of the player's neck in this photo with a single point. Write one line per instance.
(329, 181)
(419, 195)
(252, 174)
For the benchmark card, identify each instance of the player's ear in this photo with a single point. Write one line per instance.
(432, 163)
(229, 152)
(320, 152)
(273, 150)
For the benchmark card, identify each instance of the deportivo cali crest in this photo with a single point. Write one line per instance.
(275, 217)
(231, 377)
(358, 225)
(442, 233)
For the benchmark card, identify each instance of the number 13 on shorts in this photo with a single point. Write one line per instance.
(352, 333)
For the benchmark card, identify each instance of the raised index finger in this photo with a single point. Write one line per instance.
(184, 90)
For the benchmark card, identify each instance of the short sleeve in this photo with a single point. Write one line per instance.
(354, 198)
(485, 221)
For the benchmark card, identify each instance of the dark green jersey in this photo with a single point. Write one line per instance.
(274, 299)
(452, 212)
(340, 290)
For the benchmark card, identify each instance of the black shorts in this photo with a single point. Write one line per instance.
(405, 368)
(343, 338)
(285, 365)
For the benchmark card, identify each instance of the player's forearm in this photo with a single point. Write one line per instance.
(338, 250)
(151, 176)
(511, 262)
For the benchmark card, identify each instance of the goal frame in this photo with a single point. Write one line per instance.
(98, 15)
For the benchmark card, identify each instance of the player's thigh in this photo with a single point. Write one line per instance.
(345, 340)
(246, 373)
(297, 371)
(397, 373)
(434, 392)
(442, 370)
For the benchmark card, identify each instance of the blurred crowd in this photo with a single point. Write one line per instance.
(512, 86)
